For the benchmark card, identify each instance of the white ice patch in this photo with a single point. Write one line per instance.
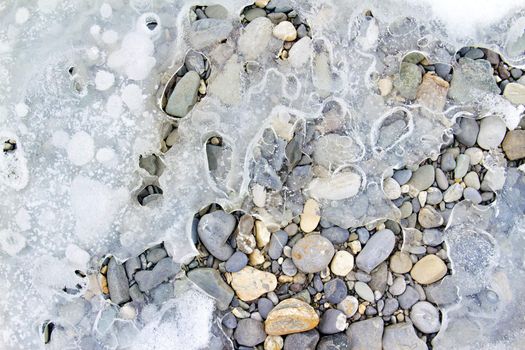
(81, 148)
(104, 80)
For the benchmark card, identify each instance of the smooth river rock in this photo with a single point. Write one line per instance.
(184, 96)
(214, 229)
(429, 269)
(312, 253)
(250, 283)
(210, 281)
(402, 336)
(376, 250)
(366, 335)
(291, 316)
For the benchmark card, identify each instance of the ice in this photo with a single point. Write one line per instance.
(80, 148)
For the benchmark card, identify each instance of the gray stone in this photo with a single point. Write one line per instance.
(162, 293)
(334, 342)
(402, 336)
(391, 305)
(473, 195)
(425, 317)
(468, 132)
(441, 179)
(155, 255)
(432, 237)
(277, 243)
(288, 267)
(379, 278)
(236, 262)
(214, 229)
(117, 282)
(253, 13)
(462, 166)
(216, 11)
(398, 286)
(135, 294)
(312, 253)
(408, 80)
(210, 281)
(302, 341)
(318, 283)
(376, 250)
(491, 132)
(408, 298)
(471, 80)
(474, 53)
(363, 235)
(163, 271)
(366, 335)
(448, 162)
(402, 176)
(132, 265)
(336, 235)
(443, 70)
(335, 290)
(364, 291)
(249, 332)
(229, 321)
(332, 321)
(434, 195)
(194, 61)
(264, 305)
(429, 217)
(184, 96)
(422, 178)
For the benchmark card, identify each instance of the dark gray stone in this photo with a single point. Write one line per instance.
(135, 294)
(264, 305)
(236, 262)
(468, 132)
(302, 341)
(332, 321)
(335, 290)
(334, 342)
(163, 271)
(249, 332)
(448, 162)
(366, 334)
(409, 297)
(214, 230)
(277, 243)
(376, 250)
(117, 282)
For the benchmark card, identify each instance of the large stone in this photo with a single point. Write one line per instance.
(432, 93)
(302, 341)
(214, 229)
(422, 178)
(184, 96)
(255, 38)
(366, 335)
(515, 93)
(491, 132)
(408, 80)
(514, 144)
(250, 283)
(285, 31)
(472, 79)
(312, 253)
(376, 250)
(429, 269)
(117, 282)
(402, 336)
(425, 317)
(249, 332)
(210, 281)
(163, 271)
(291, 316)
(468, 131)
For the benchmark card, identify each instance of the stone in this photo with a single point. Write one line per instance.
(156, 254)
(339, 186)
(441, 179)
(408, 298)
(429, 269)
(311, 216)
(334, 342)
(472, 180)
(376, 250)
(364, 291)
(194, 61)
(398, 287)
(391, 188)
(273, 342)
(472, 195)
(336, 235)
(468, 131)
(385, 86)
(342, 263)
(468, 74)
(255, 38)
(132, 265)
(475, 154)
(515, 93)
(335, 290)
(422, 178)
(408, 80)
(448, 162)
(400, 262)
(214, 229)
(379, 278)
(402, 176)
(249, 332)
(184, 96)
(288, 267)
(462, 166)
(301, 52)
(453, 193)
(432, 92)
(491, 132)
(391, 305)
(312, 253)
(402, 336)
(429, 217)
(216, 11)
(277, 243)
(291, 316)
(425, 317)
(285, 31)
(514, 144)
(332, 321)
(236, 262)
(366, 335)
(135, 294)
(209, 280)
(117, 282)
(162, 271)
(262, 235)
(434, 196)
(250, 283)
(254, 13)
(256, 258)
(302, 341)
(264, 305)
(229, 321)
(348, 305)
(432, 237)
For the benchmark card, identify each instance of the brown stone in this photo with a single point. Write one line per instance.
(429, 269)
(291, 316)
(514, 144)
(432, 93)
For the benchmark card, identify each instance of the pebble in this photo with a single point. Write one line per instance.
(312, 253)
(515, 93)
(336, 235)
(473, 195)
(475, 154)
(391, 188)
(264, 305)
(262, 235)
(408, 298)
(117, 282)
(311, 216)
(302, 341)
(406, 209)
(184, 96)
(250, 283)
(391, 305)
(379, 278)
(335, 290)
(429, 217)
(155, 255)
(288, 267)
(385, 86)
(429, 269)
(236, 262)
(441, 179)
(434, 196)
(472, 180)
(514, 144)
(214, 229)
(398, 287)
(453, 193)
(332, 321)
(277, 243)
(422, 178)
(366, 335)
(285, 31)
(448, 162)
(491, 132)
(432, 237)
(376, 250)
(291, 316)
(348, 305)
(408, 80)
(249, 332)
(363, 290)
(334, 342)
(342, 263)
(132, 265)
(259, 195)
(400, 262)
(402, 336)
(402, 176)
(229, 321)
(363, 235)
(425, 317)
(162, 271)
(254, 13)
(194, 61)
(468, 131)
(210, 281)
(256, 258)
(273, 342)
(462, 165)
(254, 40)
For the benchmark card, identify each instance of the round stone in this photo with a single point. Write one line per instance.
(429, 217)
(491, 132)
(398, 286)
(400, 262)
(475, 154)
(311, 216)
(342, 263)
(291, 316)
(285, 31)
(422, 178)
(249, 332)
(429, 269)
(333, 321)
(348, 305)
(236, 262)
(425, 317)
(312, 253)
(288, 267)
(335, 290)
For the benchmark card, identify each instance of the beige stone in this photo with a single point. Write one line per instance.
(311, 216)
(514, 144)
(285, 31)
(273, 342)
(342, 263)
(349, 305)
(385, 86)
(256, 258)
(262, 235)
(250, 283)
(429, 269)
(400, 262)
(515, 93)
(291, 316)
(432, 93)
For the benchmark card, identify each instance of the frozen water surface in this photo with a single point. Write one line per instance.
(80, 92)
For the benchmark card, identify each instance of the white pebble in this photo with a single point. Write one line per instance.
(285, 31)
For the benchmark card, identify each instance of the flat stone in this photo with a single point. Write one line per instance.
(349, 305)
(210, 281)
(285, 31)
(398, 286)
(400, 262)
(462, 166)
(422, 178)
(429, 269)
(391, 305)
(472, 195)
(155, 255)
(250, 283)
(277, 243)
(291, 316)
(163, 271)
(491, 132)
(364, 291)
(408, 80)
(376, 250)
(249, 332)
(515, 93)
(214, 229)
(334, 342)
(402, 336)
(229, 321)
(254, 13)
(453, 193)
(366, 335)
(311, 216)
(432, 92)
(425, 317)
(429, 217)
(332, 321)
(301, 52)
(184, 96)
(255, 38)
(468, 131)
(336, 235)
(402, 176)
(514, 144)
(132, 265)
(302, 341)
(340, 186)
(391, 188)
(468, 74)
(448, 161)
(194, 61)
(236, 262)
(118, 284)
(342, 263)
(408, 298)
(335, 290)
(312, 253)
